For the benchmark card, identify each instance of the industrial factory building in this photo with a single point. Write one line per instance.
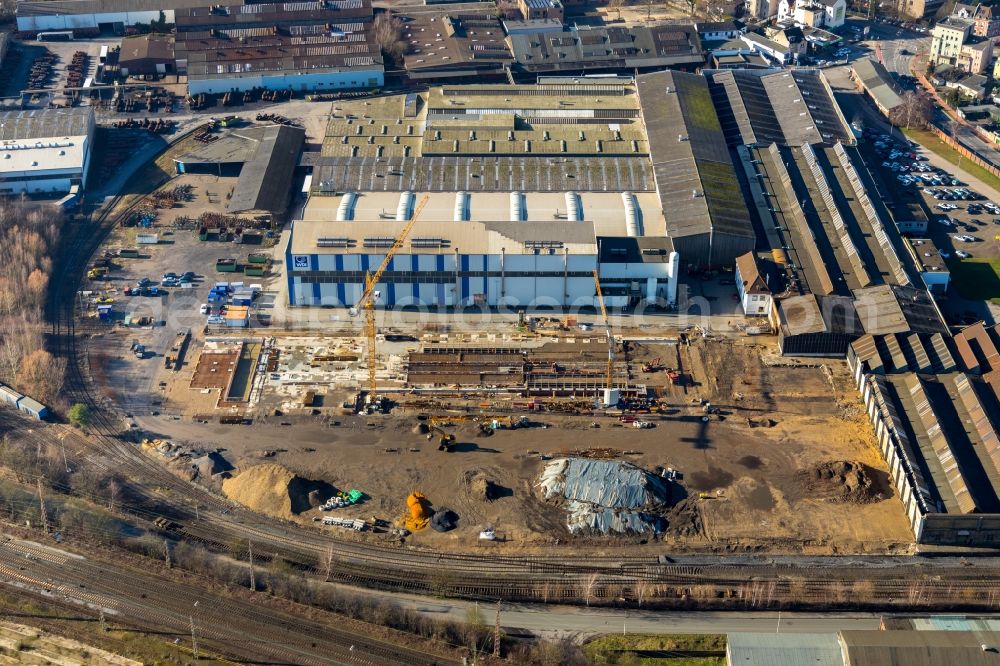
(89, 17)
(484, 249)
(45, 150)
(530, 189)
(934, 411)
(326, 45)
(706, 213)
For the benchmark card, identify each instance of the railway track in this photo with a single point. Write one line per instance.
(209, 519)
(234, 627)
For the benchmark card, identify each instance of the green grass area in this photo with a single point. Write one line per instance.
(976, 279)
(655, 649)
(932, 143)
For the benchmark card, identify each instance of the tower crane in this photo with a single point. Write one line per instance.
(370, 295)
(609, 380)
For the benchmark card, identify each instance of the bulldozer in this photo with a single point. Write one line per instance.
(446, 439)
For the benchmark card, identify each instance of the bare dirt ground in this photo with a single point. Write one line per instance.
(768, 476)
(22, 644)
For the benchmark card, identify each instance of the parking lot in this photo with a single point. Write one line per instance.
(963, 222)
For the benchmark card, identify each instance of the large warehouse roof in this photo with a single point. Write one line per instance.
(788, 107)
(237, 15)
(249, 40)
(44, 140)
(75, 7)
(497, 174)
(428, 237)
(694, 173)
(920, 648)
(266, 179)
(878, 82)
(45, 123)
(448, 38)
(586, 47)
(606, 210)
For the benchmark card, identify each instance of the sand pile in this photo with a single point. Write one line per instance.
(276, 490)
(483, 488)
(844, 481)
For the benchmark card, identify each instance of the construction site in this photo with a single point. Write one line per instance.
(428, 353)
(711, 445)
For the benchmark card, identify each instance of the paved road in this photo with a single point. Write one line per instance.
(580, 623)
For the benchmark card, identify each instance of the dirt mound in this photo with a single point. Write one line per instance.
(844, 481)
(483, 488)
(276, 490)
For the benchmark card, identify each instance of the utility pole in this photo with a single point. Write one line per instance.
(496, 633)
(194, 640)
(166, 552)
(104, 627)
(253, 582)
(41, 505)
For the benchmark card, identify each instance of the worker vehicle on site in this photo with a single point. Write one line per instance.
(445, 439)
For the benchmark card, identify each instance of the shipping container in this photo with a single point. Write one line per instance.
(129, 253)
(147, 239)
(33, 407)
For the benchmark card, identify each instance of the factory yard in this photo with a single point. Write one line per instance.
(762, 459)
(755, 477)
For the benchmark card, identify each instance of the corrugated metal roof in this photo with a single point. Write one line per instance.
(878, 82)
(694, 171)
(774, 649)
(920, 648)
(265, 180)
(37, 124)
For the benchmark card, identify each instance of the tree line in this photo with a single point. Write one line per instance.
(28, 235)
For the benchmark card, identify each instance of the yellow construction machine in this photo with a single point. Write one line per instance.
(446, 439)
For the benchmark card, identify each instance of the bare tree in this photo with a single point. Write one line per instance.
(641, 589)
(41, 374)
(388, 36)
(588, 586)
(328, 563)
(616, 6)
(915, 110)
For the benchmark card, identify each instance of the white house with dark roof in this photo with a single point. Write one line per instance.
(751, 285)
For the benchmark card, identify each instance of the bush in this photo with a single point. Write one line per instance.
(79, 415)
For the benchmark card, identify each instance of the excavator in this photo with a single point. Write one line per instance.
(446, 441)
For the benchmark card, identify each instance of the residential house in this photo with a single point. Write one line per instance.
(947, 39)
(781, 45)
(976, 57)
(984, 24)
(827, 14)
(763, 9)
(718, 31)
(752, 287)
(973, 85)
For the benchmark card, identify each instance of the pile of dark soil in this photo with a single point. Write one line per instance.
(845, 481)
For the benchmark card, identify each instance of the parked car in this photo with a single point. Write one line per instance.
(962, 254)
(204, 308)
